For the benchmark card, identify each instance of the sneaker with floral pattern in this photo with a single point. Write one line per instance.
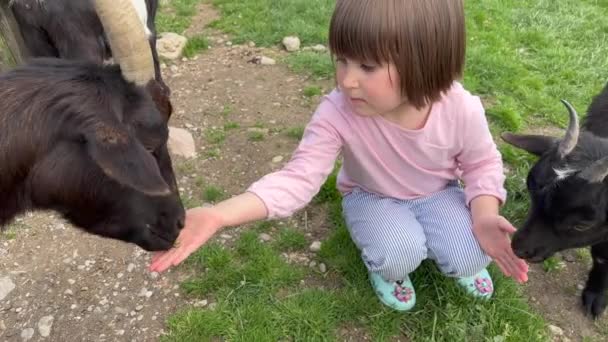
(479, 285)
(399, 295)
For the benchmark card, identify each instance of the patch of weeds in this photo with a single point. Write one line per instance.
(263, 226)
(295, 132)
(194, 45)
(256, 136)
(310, 63)
(259, 124)
(553, 264)
(8, 234)
(311, 91)
(212, 193)
(227, 110)
(215, 135)
(583, 254)
(186, 167)
(213, 152)
(290, 239)
(176, 15)
(231, 125)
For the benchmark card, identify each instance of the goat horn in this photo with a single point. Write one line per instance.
(596, 172)
(127, 39)
(571, 138)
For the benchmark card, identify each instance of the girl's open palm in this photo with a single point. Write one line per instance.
(493, 236)
(201, 224)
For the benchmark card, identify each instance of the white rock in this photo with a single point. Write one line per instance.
(322, 268)
(44, 325)
(6, 287)
(181, 142)
(291, 43)
(27, 334)
(265, 237)
(277, 159)
(267, 61)
(555, 330)
(319, 48)
(315, 246)
(170, 45)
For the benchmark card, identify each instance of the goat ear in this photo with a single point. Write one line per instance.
(124, 159)
(535, 144)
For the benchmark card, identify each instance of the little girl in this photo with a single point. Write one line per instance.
(408, 132)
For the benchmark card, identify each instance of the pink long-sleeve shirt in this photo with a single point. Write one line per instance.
(383, 158)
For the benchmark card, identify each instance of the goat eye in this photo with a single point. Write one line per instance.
(582, 227)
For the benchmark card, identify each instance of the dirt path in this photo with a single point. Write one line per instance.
(58, 282)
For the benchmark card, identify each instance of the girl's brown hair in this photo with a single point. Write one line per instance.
(425, 39)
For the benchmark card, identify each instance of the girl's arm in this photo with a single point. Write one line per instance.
(278, 194)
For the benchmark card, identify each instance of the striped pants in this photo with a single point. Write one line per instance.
(395, 236)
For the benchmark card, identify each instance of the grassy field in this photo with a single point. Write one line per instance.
(523, 56)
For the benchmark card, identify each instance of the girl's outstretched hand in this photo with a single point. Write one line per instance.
(201, 224)
(493, 232)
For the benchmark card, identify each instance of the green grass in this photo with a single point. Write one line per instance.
(256, 136)
(176, 16)
(522, 58)
(195, 45)
(213, 194)
(295, 132)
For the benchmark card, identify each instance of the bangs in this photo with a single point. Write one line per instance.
(425, 39)
(358, 32)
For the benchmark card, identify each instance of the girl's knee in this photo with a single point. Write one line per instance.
(466, 265)
(394, 264)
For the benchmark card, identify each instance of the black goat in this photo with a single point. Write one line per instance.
(79, 139)
(90, 142)
(72, 29)
(569, 196)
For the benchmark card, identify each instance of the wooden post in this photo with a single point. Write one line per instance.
(12, 48)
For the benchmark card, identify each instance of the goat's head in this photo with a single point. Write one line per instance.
(111, 174)
(101, 158)
(568, 196)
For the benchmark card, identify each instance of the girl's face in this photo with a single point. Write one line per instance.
(371, 89)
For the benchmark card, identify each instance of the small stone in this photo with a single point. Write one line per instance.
(139, 308)
(120, 332)
(312, 264)
(555, 330)
(277, 159)
(71, 281)
(267, 61)
(6, 287)
(68, 292)
(319, 48)
(315, 246)
(120, 310)
(200, 303)
(2, 326)
(580, 286)
(154, 275)
(130, 267)
(226, 236)
(291, 43)
(173, 68)
(44, 325)
(251, 44)
(27, 334)
(265, 237)
(322, 268)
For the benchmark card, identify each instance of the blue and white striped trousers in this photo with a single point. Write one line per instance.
(395, 236)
